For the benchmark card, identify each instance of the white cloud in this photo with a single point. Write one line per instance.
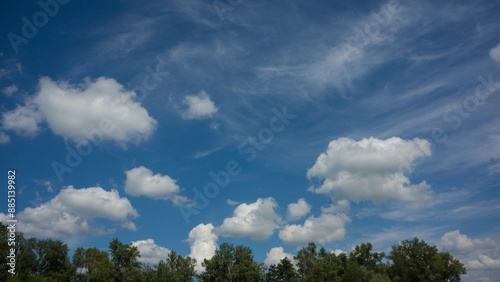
(9, 90)
(4, 138)
(477, 254)
(4, 218)
(341, 65)
(23, 120)
(199, 106)
(371, 169)
(456, 242)
(203, 244)
(495, 54)
(72, 211)
(324, 229)
(338, 252)
(275, 255)
(141, 181)
(150, 252)
(95, 202)
(484, 262)
(257, 220)
(202, 154)
(357, 52)
(298, 210)
(91, 111)
(341, 206)
(231, 202)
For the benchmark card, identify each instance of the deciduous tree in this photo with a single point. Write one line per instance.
(125, 261)
(93, 264)
(53, 260)
(232, 264)
(284, 271)
(415, 260)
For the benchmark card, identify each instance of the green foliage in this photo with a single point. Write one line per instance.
(332, 267)
(369, 263)
(26, 262)
(364, 256)
(47, 260)
(357, 272)
(125, 261)
(176, 268)
(26, 259)
(308, 263)
(4, 252)
(93, 264)
(320, 266)
(232, 264)
(182, 266)
(284, 271)
(53, 261)
(361, 265)
(415, 260)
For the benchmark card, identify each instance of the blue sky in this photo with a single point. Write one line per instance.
(323, 121)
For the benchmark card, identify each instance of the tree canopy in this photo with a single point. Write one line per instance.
(232, 264)
(48, 260)
(415, 260)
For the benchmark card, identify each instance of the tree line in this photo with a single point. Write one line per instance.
(48, 260)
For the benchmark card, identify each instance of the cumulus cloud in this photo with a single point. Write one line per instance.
(198, 106)
(141, 181)
(456, 242)
(479, 255)
(495, 54)
(150, 252)
(23, 120)
(91, 111)
(257, 220)
(484, 262)
(371, 169)
(298, 210)
(323, 229)
(72, 211)
(275, 255)
(4, 218)
(203, 244)
(338, 252)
